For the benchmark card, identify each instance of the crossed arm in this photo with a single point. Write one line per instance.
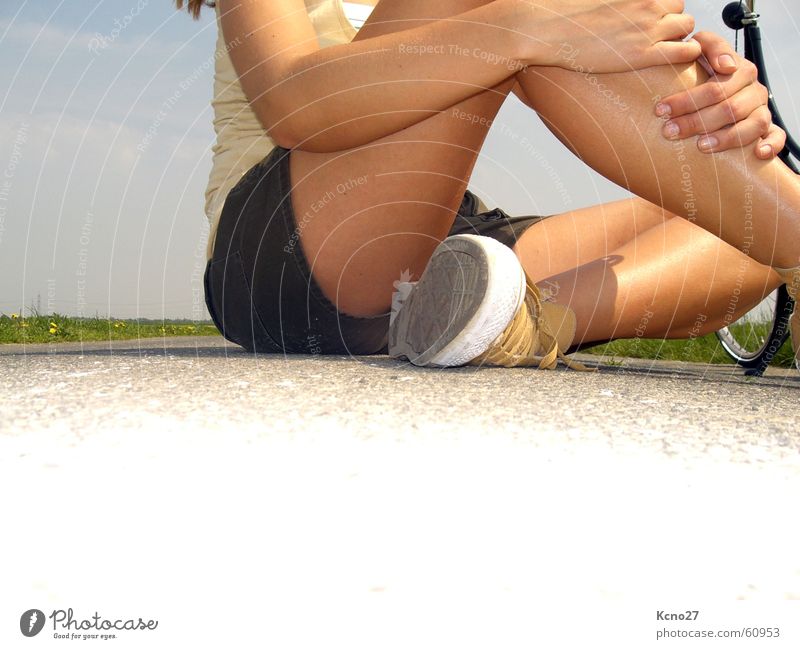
(348, 95)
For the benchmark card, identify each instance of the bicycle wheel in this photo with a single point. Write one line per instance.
(754, 339)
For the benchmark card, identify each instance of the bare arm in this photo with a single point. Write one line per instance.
(342, 96)
(347, 95)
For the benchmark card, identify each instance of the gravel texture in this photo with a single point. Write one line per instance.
(318, 499)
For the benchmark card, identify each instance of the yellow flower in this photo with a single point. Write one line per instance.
(14, 316)
(53, 330)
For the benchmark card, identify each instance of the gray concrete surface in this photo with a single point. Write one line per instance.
(208, 384)
(182, 475)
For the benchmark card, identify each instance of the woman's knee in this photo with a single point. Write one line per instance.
(625, 91)
(665, 80)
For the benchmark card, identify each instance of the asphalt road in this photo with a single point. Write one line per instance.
(318, 499)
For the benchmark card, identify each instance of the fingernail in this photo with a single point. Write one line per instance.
(663, 109)
(765, 150)
(726, 61)
(707, 143)
(671, 129)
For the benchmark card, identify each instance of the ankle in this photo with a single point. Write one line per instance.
(791, 277)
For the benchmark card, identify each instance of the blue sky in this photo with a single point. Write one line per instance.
(105, 138)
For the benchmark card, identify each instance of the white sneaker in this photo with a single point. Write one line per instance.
(469, 293)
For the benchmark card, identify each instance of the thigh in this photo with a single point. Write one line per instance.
(565, 241)
(368, 214)
(259, 289)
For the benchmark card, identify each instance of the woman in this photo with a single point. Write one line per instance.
(377, 133)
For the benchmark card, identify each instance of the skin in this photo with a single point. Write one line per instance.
(332, 99)
(416, 151)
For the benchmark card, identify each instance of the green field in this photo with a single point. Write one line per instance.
(699, 350)
(705, 349)
(56, 328)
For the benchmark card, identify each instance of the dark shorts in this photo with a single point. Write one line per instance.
(258, 286)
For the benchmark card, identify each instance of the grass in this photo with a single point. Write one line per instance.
(57, 328)
(704, 349)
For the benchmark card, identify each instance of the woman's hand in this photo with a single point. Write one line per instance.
(615, 35)
(729, 110)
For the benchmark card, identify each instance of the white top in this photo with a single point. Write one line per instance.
(241, 140)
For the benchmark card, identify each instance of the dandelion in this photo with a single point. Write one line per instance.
(14, 316)
(53, 328)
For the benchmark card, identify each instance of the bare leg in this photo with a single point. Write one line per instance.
(608, 121)
(571, 239)
(665, 279)
(409, 184)
(370, 213)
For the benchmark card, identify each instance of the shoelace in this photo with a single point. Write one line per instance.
(527, 332)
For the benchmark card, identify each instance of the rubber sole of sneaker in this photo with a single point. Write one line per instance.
(468, 294)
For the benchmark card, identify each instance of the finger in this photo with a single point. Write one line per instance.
(713, 91)
(743, 106)
(739, 135)
(706, 94)
(665, 52)
(718, 51)
(674, 27)
(772, 143)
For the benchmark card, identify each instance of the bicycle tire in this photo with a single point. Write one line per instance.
(755, 359)
(759, 358)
